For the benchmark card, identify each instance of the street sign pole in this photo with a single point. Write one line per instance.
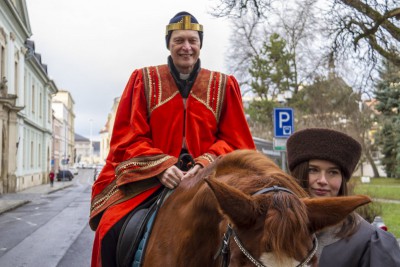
(283, 158)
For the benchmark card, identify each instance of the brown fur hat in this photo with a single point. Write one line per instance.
(324, 144)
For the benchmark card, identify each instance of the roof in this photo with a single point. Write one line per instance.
(80, 138)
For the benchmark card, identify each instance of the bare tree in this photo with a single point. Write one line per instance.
(246, 40)
(296, 23)
(372, 25)
(238, 8)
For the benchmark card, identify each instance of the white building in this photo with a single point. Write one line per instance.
(25, 103)
(82, 150)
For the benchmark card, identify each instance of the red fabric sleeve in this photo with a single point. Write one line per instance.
(233, 130)
(131, 136)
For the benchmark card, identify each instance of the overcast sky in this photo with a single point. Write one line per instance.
(92, 46)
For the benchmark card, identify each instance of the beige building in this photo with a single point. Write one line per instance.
(63, 108)
(57, 153)
(106, 132)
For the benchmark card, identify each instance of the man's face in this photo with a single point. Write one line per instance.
(184, 46)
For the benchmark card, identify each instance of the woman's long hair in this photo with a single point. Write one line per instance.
(349, 225)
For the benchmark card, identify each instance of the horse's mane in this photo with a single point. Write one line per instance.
(285, 215)
(258, 170)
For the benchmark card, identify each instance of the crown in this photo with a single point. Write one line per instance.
(184, 24)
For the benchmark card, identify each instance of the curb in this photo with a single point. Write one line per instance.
(12, 204)
(58, 188)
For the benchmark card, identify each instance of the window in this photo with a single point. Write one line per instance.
(33, 99)
(32, 154)
(49, 111)
(40, 105)
(16, 73)
(39, 154)
(2, 61)
(25, 88)
(3, 53)
(24, 154)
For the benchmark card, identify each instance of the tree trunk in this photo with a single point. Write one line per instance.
(371, 161)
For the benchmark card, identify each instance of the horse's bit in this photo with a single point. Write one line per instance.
(224, 250)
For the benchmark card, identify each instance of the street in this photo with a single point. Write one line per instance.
(52, 230)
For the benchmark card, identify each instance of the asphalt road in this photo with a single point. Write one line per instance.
(52, 230)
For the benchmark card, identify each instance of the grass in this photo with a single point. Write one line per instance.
(383, 189)
(391, 217)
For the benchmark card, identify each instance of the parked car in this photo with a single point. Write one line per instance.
(74, 170)
(97, 171)
(378, 222)
(64, 174)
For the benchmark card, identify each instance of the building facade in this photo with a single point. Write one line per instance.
(25, 103)
(106, 132)
(57, 152)
(36, 125)
(83, 150)
(63, 108)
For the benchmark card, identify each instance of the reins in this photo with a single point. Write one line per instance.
(224, 250)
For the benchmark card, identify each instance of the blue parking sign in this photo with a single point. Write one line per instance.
(283, 122)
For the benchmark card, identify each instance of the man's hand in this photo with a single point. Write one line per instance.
(171, 177)
(192, 172)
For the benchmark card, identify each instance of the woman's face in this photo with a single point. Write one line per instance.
(324, 177)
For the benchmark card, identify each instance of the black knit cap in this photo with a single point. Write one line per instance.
(324, 144)
(177, 18)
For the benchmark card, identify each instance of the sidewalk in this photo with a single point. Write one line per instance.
(15, 200)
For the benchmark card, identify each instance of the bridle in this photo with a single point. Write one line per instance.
(224, 249)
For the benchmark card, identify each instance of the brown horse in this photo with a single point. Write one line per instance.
(267, 225)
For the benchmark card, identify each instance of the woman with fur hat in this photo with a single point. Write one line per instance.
(172, 120)
(322, 161)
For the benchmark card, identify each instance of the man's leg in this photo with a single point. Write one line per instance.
(109, 244)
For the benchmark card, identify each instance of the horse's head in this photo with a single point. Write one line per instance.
(272, 226)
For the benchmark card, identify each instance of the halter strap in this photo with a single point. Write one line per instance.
(274, 188)
(244, 250)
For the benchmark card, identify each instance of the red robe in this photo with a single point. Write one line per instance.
(150, 127)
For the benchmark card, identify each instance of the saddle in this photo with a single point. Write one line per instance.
(137, 226)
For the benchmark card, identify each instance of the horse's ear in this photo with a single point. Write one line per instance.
(327, 211)
(237, 206)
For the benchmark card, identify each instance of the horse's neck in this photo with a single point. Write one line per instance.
(191, 218)
(201, 210)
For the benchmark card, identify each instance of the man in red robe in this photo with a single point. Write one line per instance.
(165, 111)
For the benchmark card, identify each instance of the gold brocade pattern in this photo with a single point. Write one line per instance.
(124, 167)
(221, 94)
(143, 165)
(208, 157)
(212, 100)
(98, 202)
